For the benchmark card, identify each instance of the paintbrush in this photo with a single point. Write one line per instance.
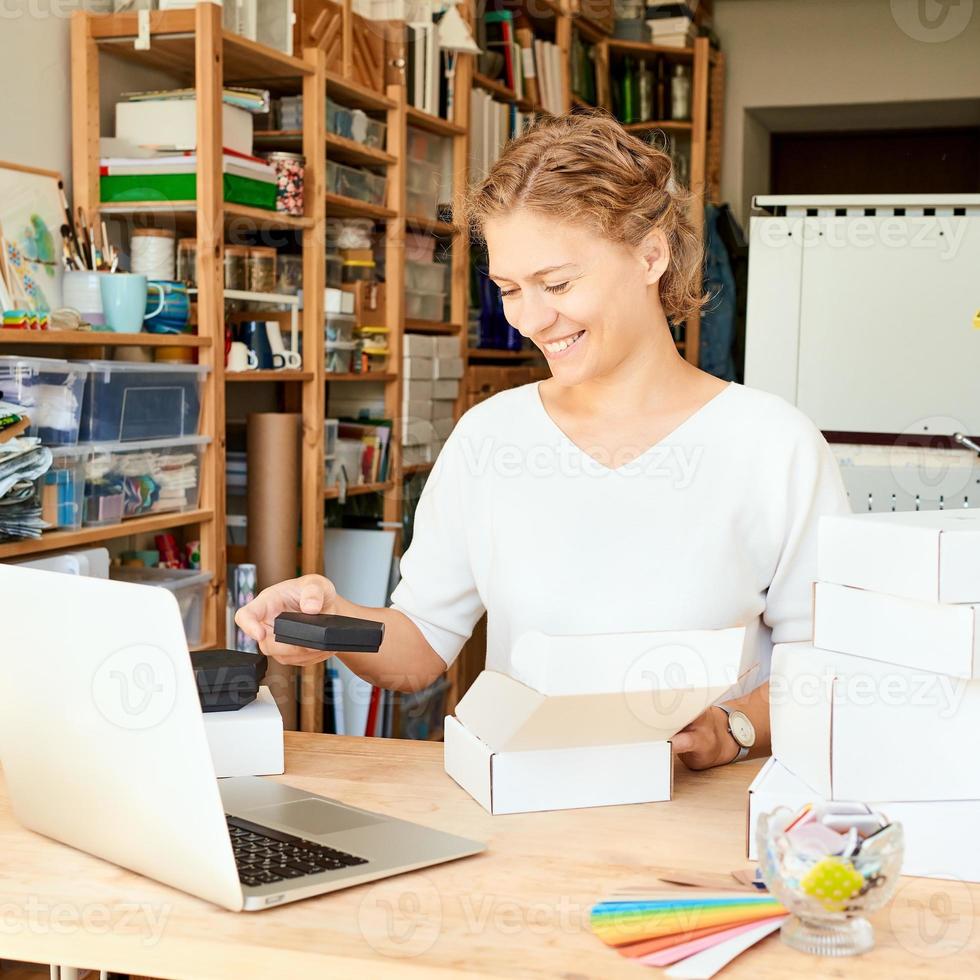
(71, 220)
(87, 257)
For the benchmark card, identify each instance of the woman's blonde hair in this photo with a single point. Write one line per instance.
(585, 168)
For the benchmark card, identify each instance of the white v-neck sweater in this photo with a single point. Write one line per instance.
(714, 526)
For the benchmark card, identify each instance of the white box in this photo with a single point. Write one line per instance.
(442, 427)
(417, 389)
(935, 636)
(447, 367)
(418, 345)
(857, 729)
(929, 853)
(247, 742)
(417, 367)
(929, 555)
(586, 720)
(445, 388)
(447, 346)
(337, 301)
(173, 125)
(417, 409)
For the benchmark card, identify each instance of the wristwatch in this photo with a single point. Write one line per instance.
(741, 729)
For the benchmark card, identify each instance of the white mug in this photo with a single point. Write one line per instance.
(281, 357)
(242, 358)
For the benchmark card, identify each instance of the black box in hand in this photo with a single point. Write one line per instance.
(343, 634)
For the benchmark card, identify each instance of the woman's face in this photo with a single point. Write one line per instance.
(588, 303)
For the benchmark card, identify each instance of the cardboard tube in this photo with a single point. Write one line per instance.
(273, 482)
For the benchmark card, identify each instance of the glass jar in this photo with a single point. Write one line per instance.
(261, 276)
(290, 168)
(236, 267)
(187, 261)
(290, 274)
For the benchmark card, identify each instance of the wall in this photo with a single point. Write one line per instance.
(785, 54)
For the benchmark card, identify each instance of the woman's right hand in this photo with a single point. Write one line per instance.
(309, 594)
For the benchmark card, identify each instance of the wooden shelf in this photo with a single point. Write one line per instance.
(350, 151)
(433, 124)
(677, 125)
(380, 376)
(355, 96)
(52, 540)
(172, 49)
(102, 338)
(415, 468)
(577, 100)
(183, 215)
(501, 91)
(486, 354)
(640, 49)
(332, 493)
(415, 222)
(431, 326)
(283, 375)
(347, 207)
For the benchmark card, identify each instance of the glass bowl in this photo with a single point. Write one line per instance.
(828, 895)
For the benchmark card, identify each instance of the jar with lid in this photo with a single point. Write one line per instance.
(187, 261)
(289, 181)
(261, 275)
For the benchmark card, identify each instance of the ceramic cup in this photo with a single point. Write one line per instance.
(80, 291)
(253, 334)
(240, 358)
(175, 314)
(282, 357)
(124, 301)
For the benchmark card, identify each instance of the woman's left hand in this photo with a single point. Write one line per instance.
(706, 742)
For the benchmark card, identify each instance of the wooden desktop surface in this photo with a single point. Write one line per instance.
(518, 910)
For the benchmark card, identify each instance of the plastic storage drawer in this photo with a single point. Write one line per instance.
(340, 356)
(64, 485)
(130, 479)
(426, 277)
(340, 326)
(131, 401)
(355, 183)
(50, 391)
(355, 124)
(422, 188)
(189, 587)
(424, 306)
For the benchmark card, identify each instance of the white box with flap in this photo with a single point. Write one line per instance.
(586, 720)
(930, 555)
(249, 741)
(858, 729)
(936, 636)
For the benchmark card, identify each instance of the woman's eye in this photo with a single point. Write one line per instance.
(559, 288)
(504, 293)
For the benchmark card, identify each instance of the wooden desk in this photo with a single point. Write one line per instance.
(520, 910)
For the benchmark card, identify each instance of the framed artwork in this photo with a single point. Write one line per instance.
(31, 216)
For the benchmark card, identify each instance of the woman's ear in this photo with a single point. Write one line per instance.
(654, 253)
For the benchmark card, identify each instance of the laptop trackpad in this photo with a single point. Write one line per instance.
(311, 817)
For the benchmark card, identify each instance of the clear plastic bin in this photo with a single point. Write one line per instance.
(335, 270)
(64, 485)
(188, 585)
(127, 400)
(426, 146)
(355, 124)
(131, 479)
(340, 356)
(356, 183)
(422, 188)
(424, 306)
(340, 326)
(50, 391)
(426, 277)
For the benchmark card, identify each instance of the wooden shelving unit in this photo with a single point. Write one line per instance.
(192, 48)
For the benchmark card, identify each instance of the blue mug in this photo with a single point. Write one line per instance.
(124, 301)
(254, 335)
(175, 314)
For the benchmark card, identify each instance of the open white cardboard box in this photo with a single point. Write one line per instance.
(937, 834)
(857, 729)
(586, 720)
(936, 636)
(928, 555)
(249, 741)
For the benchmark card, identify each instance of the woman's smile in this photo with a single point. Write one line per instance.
(561, 347)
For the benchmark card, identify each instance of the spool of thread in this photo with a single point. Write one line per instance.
(152, 253)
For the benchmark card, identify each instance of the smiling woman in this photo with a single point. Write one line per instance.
(629, 492)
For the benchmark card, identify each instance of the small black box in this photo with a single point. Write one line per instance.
(329, 633)
(227, 679)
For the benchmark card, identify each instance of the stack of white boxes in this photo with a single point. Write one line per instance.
(431, 370)
(884, 706)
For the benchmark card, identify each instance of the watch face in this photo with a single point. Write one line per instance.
(742, 729)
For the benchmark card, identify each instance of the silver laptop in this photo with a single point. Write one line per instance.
(103, 747)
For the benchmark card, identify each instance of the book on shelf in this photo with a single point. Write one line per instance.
(525, 40)
(254, 100)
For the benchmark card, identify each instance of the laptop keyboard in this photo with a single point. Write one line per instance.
(265, 856)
